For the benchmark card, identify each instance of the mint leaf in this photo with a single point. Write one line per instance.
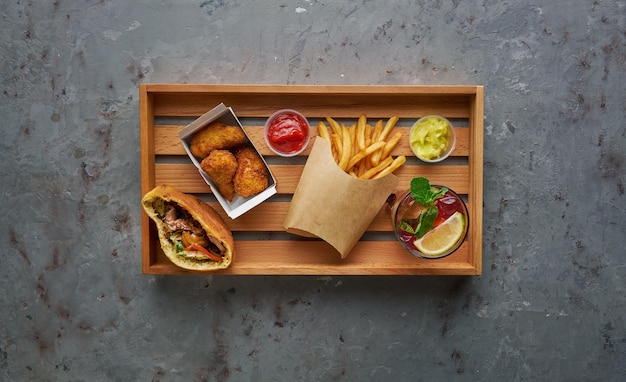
(420, 190)
(442, 191)
(405, 226)
(423, 193)
(427, 221)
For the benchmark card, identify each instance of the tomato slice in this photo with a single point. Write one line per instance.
(199, 248)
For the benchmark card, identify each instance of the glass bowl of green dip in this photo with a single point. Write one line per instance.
(432, 138)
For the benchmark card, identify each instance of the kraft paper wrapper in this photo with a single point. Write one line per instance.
(332, 205)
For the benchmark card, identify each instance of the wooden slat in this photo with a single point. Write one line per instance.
(146, 158)
(273, 214)
(476, 142)
(167, 141)
(305, 257)
(186, 177)
(163, 160)
(345, 91)
(320, 101)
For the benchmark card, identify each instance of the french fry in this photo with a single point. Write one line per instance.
(375, 158)
(362, 150)
(337, 146)
(375, 170)
(378, 128)
(391, 143)
(360, 132)
(399, 161)
(346, 149)
(358, 168)
(322, 130)
(363, 153)
(391, 123)
(353, 144)
(334, 125)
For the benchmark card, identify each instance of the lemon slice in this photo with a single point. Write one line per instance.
(443, 237)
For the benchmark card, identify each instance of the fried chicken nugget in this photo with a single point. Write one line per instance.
(221, 166)
(251, 177)
(216, 136)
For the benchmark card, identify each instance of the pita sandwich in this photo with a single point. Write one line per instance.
(192, 234)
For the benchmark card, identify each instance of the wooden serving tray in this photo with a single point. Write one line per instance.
(261, 243)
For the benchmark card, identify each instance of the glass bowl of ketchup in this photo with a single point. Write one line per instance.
(287, 132)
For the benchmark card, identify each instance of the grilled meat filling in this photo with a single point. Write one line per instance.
(185, 231)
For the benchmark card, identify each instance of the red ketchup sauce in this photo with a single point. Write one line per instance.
(287, 132)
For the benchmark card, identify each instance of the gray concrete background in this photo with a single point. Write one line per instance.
(549, 306)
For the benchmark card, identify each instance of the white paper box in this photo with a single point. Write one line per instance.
(239, 205)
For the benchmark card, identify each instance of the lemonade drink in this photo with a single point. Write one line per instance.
(440, 238)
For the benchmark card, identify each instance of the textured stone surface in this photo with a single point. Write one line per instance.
(550, 304)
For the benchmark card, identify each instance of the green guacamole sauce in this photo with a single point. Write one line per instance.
(429, 138)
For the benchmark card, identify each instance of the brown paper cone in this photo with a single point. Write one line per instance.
(332, 205)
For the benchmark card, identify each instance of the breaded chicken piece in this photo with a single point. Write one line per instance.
(251, 177)
(221, 166)
(216, 136)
